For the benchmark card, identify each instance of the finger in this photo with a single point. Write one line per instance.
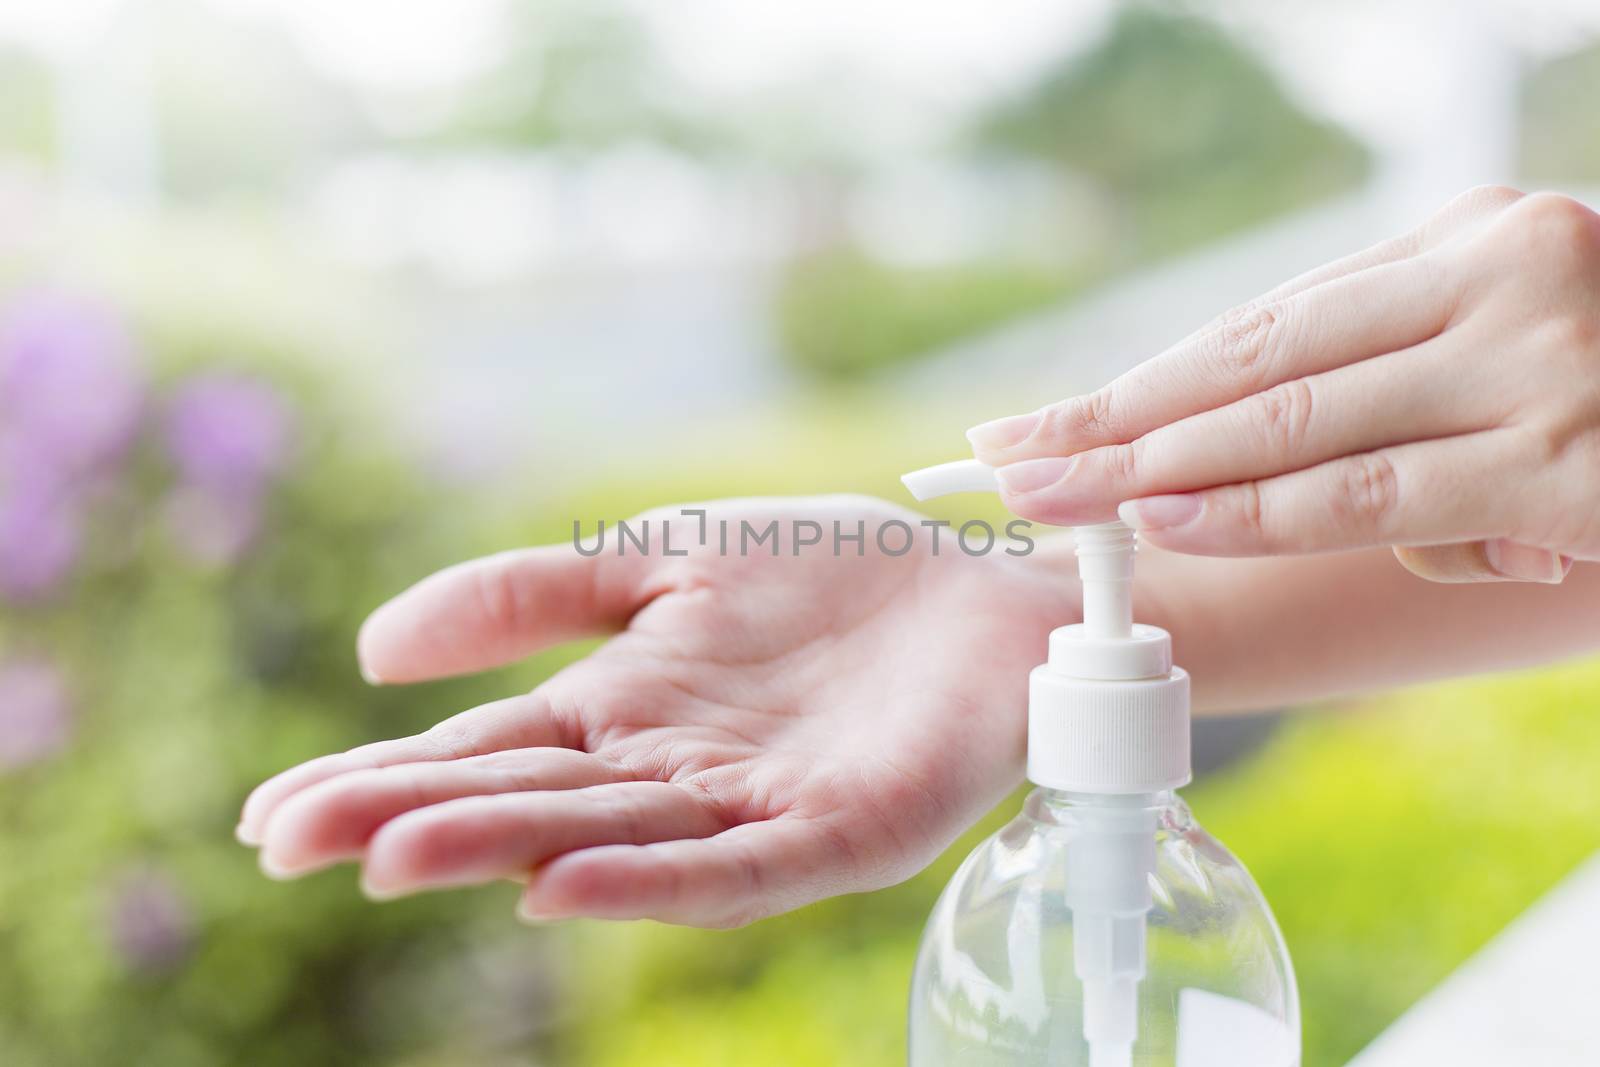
(494, 610)
(1384, 309)
(740, 875)
(526, 721)
(481, 839)
(333, 820)
(1518, 562)
(1450, 564)
(1398, 398)
(1431, 492)
(1465, 211)
(1496, 560)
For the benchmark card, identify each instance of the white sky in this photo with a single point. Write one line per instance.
(943, 54)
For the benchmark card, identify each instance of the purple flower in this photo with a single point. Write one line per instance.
(39, 537)
(149, 920)
(229, 434)
(70, 394)
(35, 712)
(70, 402)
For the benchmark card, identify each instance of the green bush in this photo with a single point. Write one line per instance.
(1181, 133)
(1557, 102)
(842, 315)
(1186, 132)
(133, 929)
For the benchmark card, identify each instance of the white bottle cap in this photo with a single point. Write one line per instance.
(1107, 712)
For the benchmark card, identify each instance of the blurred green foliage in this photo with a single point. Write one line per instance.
(1187, 133)
(581, 76)
(214, 78)
(843, 315)
(1560, 134)
(189, 682)
(1183, 136)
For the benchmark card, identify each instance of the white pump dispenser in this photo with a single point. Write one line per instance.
(1108, 738)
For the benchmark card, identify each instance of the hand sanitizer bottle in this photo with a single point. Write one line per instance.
(1102, 927)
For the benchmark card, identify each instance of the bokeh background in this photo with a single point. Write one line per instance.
(300, 301)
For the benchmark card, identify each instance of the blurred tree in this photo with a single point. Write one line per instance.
(1187, 131)
(844, 315)
(1185, 136)
(239, 111)
(578, 76)
(1560, 130)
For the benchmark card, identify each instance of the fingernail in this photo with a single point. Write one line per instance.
(275, 869)
(378, 894)
(1566, 565)
(370, 676)
(1033, 474)
(1003, 433)
(1159, 512)
(246, 836)
(1523, 563)
(529, 914)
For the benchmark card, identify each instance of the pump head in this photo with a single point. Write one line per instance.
(1108, 712)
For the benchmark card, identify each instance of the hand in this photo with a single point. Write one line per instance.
(1439, 393)
(763, 732)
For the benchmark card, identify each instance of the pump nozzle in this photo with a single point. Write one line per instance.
(961, 476)
(1105, 551)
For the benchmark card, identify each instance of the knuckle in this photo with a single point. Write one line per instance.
(1475, 206)
(1560, 214)
(451, 739)
(1367, 491)
(1283, 414)
(1090, 416)
(1250, 511)
(1242, 342)
(1123, 463)
(1556, 231)
(721, 792)
(1482, 200)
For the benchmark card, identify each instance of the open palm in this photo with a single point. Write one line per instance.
(765, 730)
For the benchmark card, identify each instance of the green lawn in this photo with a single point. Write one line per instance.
(1393, 839)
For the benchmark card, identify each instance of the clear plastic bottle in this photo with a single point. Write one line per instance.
(1102, 927)
(996, 979)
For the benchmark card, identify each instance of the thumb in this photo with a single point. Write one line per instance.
(491, 611)
(1496, 560)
